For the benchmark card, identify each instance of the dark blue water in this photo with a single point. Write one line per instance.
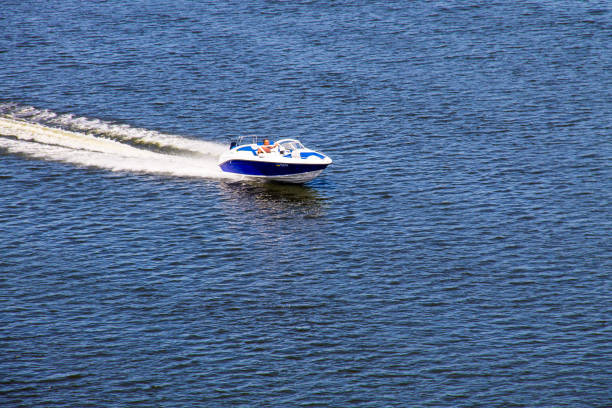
(457, 252)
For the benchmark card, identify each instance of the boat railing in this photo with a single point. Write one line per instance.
(241, 140)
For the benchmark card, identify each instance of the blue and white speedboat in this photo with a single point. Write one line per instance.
(288, 161)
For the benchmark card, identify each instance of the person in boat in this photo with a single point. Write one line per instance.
(266, 147)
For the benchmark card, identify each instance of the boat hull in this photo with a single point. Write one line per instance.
(285, 172)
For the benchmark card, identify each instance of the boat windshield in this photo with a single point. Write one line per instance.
(291, 145)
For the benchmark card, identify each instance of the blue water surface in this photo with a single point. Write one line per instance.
(457, 252)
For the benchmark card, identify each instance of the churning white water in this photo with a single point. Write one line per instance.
(91, 142)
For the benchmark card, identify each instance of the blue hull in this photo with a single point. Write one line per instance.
(267, 169)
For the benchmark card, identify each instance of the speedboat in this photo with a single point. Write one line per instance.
(288, 161)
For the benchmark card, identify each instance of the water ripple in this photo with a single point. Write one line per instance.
(456, 254)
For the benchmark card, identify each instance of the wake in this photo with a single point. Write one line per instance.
(45, 135)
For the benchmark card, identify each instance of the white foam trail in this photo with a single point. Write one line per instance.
(110, 152)
(110, 130)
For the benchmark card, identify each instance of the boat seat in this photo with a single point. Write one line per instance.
(247, 149)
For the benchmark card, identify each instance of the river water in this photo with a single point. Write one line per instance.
(457, 252)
